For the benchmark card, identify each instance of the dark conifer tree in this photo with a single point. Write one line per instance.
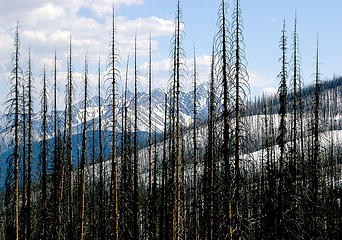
(178, 70)
(24, 159)
(113, 77)
(294, 132)
(240, 90)
(69, 147)
(93, 180)
(163, 195)
(136, 233)
(282, 136)
(209, 166)
(150, 197)
(84, 147)
(101, 228)
(315, 163)
(29, 145)
(223, 58)
(195, 191)
(12, 177)
(58, 162)
(154, 188)
(44, 160)
(126, 169)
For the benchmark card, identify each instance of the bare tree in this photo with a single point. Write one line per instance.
(177, 74)
(101, 184)
(24, 159)
(195, 201)
(69, 147)
(282, 133)
(44, 159)
(13, 111)
(84, 147)
(29, 145)
(241, 87)
(150, 197)
(113, 78)
(315, 162)
(135, 143)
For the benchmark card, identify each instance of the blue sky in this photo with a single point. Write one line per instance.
(262, 23)
(46, 24)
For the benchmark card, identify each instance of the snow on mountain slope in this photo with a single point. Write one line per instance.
(158, 106)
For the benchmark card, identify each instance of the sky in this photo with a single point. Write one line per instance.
(47, 25)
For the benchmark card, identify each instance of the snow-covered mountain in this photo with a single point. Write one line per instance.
(158, 106)
(331, 95)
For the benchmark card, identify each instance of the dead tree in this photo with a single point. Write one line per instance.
(24, 159)
(239, 74)
(195, 191)
(84, 147)
(113, 77)
(163, 195)
(101, 227)
(177, 74)
(13, 111)
(150, 197)
(223, 64)
(29, 146)
(69, 148)
(209, 166)
(281, 140)
(136, 234)
(294, 132)
(44, 152)
(315, 162)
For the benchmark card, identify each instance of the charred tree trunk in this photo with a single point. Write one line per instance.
(151, 203)
(240, 81)
(163, 204)
(12, 178)
(44, 229)
(101, 227)
(315, 163)
(24, 170)
(282, 135)
(69, 149)
(136, 234)
(114, 172)
(223, 58)
(29, 149)
(209, 173)
(177, 76)
(17, 76)
(195, 201)
(294, 158)
(83, 153)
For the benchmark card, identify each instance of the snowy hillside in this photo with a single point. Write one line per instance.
(158, 106)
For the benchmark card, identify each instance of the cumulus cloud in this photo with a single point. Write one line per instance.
(98, 6)
(257, 79)
(161, 72)
(45, 27)
(269, 91)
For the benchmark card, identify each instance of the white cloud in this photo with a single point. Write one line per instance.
(101, 7)
(269, 91)
(158, 27)
(98, 6)
(257, 79)
(161, 72)
(49, 11)
(46, 26)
